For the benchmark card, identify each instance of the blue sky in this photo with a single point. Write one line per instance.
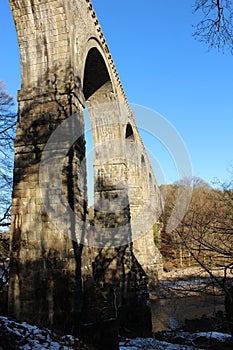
(164, 69)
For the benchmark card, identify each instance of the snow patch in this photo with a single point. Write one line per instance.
(151, 344)
(27, 337)
(215, 335)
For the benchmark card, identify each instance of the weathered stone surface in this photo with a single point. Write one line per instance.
(78, 272)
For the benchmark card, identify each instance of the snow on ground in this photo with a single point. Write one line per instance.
(151, 344)
(190, 341)
(22, 336)
(215, 335)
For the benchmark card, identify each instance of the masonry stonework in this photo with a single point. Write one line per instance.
(56, 278)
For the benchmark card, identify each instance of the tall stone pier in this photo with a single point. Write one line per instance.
(80, 275)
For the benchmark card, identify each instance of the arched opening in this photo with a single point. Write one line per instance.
(95, 73)
(130, 150)
(97, 88)
(150, 180)
(143, 163)
(129, 135)
(109, 179)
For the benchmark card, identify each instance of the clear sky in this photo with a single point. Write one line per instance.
(162, 68)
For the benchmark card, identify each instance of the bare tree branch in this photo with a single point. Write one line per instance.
(216, 26)
(7, 134)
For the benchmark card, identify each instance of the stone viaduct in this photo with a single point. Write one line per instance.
(69, 267)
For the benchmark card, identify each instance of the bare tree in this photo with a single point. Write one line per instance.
(205, 236)
(7, 134)
(216, 25)
(4, 259)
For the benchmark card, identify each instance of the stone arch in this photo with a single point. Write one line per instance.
(96, 84)
(95, 73)
(131, 148)
(129, 134)
(143, 164)
(95, 53)
(102, 102)
(150, 180)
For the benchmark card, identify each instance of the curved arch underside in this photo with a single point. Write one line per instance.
(129, 132)
(95, 74)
